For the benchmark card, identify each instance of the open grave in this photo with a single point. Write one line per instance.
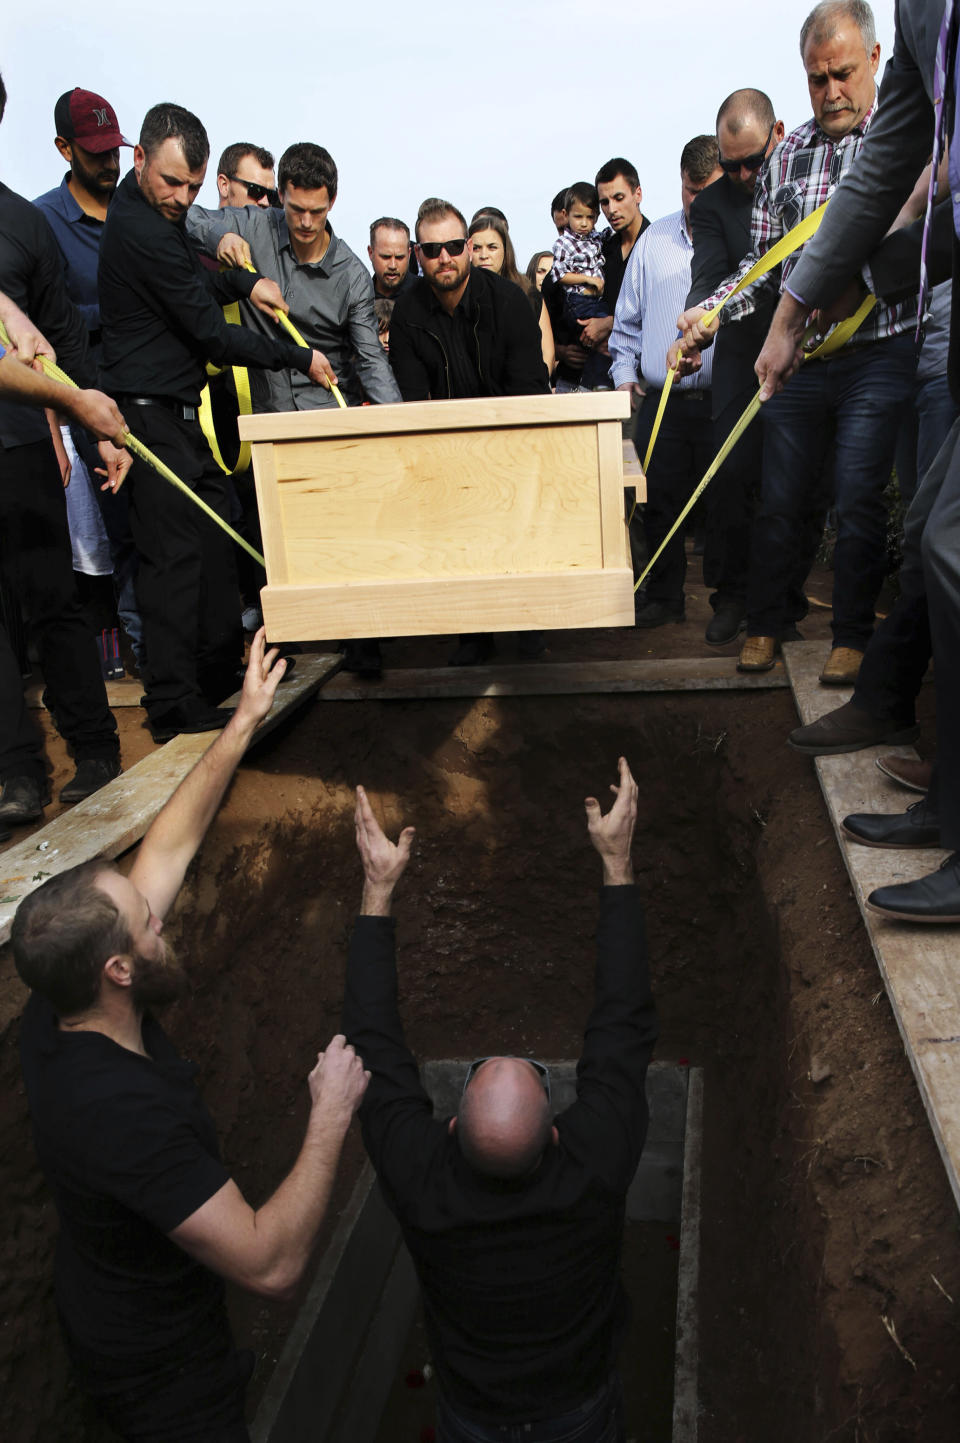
(829, 1254)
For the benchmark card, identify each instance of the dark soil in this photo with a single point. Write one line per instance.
(826, 1207)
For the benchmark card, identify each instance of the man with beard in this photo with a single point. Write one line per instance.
(88, 137)
(151, 1222)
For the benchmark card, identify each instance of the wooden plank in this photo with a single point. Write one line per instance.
(576, 407)
(551, 678)
(117, 816)
(551, 601)
(271, 518)
(918, 963)
(441, 505)
(632, 470)
(613, 525)
(119, 693)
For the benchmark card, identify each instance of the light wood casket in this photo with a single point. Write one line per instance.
(497, 514)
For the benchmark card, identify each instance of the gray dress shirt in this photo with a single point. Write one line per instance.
(331, 304)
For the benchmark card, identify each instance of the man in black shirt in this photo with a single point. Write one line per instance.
(36, 564)
(462, 331)
(150, 1220)
(513, 1218)
(161, 322)
(389, 253)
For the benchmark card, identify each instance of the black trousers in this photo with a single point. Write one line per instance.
(187, 590)
(681, 456)
(37, 565)
(940, 549)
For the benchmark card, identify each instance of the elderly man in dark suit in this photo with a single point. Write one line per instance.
(913, 119)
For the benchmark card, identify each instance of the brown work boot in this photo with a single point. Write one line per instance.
(842, 667)
(849, 729)
(910, 772)
(757, 653)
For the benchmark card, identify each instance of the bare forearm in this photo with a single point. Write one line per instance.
(617, 872)
(376, 900)
(172, 841)
(285, 1228)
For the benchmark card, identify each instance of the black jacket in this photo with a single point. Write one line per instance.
(508, 357)
(720, 227)
(520, 1280)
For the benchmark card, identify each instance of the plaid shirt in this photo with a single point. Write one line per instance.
(580, 254)
(798, 177)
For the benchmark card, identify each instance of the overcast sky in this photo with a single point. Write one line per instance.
(499, 104)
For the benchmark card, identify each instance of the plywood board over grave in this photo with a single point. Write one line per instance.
(493, 514)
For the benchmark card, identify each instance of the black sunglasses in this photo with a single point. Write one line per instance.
(752, 162)
(431, 249)
(256, 191)
(539, 1067)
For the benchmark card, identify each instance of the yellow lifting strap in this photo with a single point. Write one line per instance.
(241, 381)
(838, 337)
(295, 335)
(145, 454)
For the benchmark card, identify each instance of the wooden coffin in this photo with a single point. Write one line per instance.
(494, 514)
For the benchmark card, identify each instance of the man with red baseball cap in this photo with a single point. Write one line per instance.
(88, 138)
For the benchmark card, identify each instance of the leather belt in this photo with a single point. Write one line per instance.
(167, 403)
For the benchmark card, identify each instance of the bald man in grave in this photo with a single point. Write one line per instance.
(513, 1217)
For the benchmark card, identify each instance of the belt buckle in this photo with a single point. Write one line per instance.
(189, 413)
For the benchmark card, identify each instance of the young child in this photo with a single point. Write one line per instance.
(578, 268)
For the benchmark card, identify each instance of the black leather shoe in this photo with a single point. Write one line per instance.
(5, 835)
(935, 898)
(91, 774)
(189, 720)
(473, 649)
(363, 659)
(849, 729)
(658, 613)
(23, 800)
(726, 624)
(918, 826)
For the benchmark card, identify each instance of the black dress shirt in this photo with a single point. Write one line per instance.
(31, 274)
(160, 310)
(522, 1296)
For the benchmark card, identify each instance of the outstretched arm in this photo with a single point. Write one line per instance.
(169, 846)
(612, 835)
(267, 1249)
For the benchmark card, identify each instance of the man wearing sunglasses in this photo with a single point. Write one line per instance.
(747, 132)
(513, 1216)
(245, 176)
(325, 286)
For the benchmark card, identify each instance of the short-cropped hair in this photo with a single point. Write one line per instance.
(433, 208)
(617, 166)
(388, 222)
(308, 167)
(559, 201)
(62, 935)
(700, 158)
(233, 155)
(583, 193)
(167, 121)
(824, 20)
(743, 106)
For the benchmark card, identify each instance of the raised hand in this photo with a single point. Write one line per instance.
(384, 862)
(612, 833)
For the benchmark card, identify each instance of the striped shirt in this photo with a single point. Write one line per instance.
(803, 172)
(653, 294)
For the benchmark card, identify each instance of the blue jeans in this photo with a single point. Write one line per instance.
(598, 1420)
(923, 431)
(856, 399)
